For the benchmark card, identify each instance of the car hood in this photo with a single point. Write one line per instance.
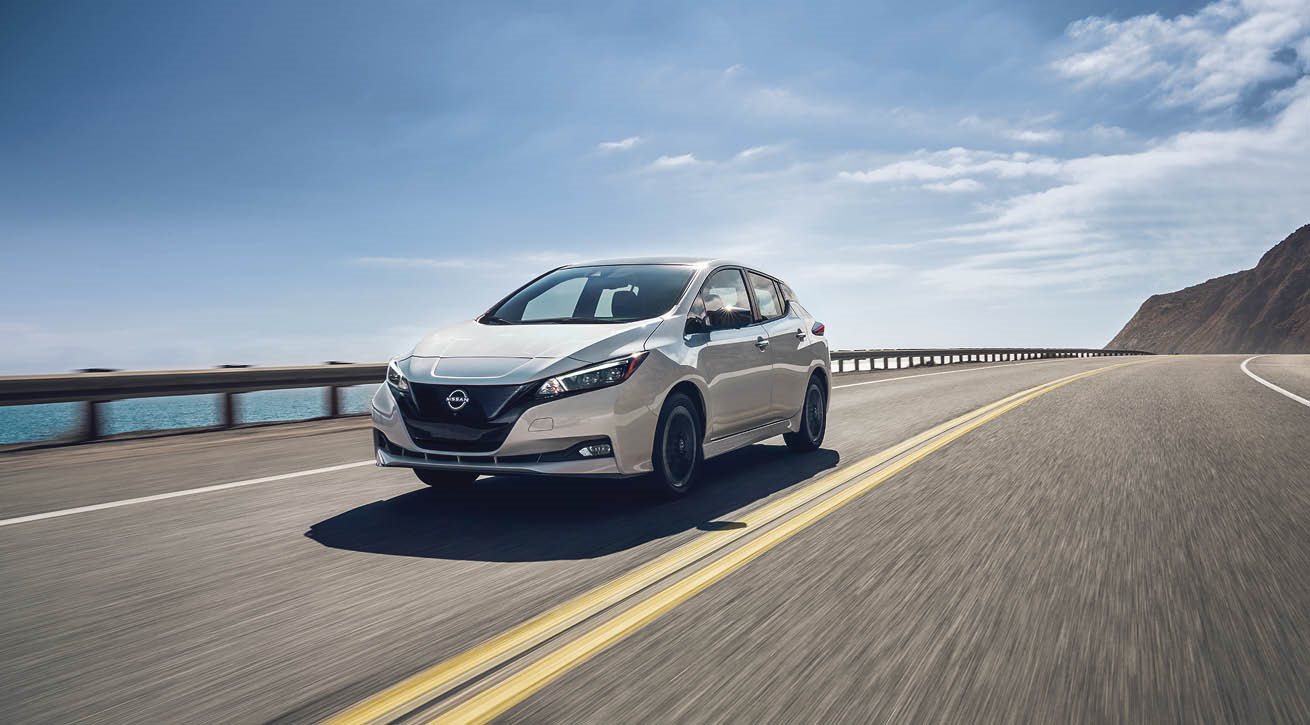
(508, 354)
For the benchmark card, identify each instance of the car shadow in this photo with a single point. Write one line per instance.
(508, 519)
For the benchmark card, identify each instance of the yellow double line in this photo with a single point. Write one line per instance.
(418, 691)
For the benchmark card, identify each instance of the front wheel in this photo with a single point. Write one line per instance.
(814, 420)
(438, 478)
(677, 453)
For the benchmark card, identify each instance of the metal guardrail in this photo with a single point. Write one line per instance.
(896, 359)
(96, 387)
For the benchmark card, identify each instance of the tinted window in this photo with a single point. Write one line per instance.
(766, 296)
(607, 293)
(723, 302)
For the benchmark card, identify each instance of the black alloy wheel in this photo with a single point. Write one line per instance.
(814, 419)
(677, 451)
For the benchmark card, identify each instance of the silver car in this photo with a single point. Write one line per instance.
(636, 367)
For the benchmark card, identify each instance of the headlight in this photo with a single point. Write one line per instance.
(603, 375)
(396, 378)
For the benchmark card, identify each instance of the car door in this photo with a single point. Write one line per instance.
(787, 340)
(793, 354)
(732, 356)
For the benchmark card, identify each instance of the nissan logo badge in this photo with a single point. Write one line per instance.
(457, 399)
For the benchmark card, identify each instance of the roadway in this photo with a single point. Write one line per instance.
(1130, 545)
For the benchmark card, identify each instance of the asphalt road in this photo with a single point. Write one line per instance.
(1130, 546)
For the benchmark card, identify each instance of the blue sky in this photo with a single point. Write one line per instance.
(281, 182)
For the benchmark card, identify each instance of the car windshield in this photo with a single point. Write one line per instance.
(599, 294)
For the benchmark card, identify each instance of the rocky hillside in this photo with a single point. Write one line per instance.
(1265, 309)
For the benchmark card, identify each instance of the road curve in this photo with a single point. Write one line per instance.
(1129, 546)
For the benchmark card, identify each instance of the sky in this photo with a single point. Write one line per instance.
(188, 185)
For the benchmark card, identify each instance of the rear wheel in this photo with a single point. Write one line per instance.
(677, 453)
(445, 479)
(814, 420)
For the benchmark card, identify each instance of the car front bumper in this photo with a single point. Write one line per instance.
(621, 415)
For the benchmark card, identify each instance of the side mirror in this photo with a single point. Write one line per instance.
(694, 326)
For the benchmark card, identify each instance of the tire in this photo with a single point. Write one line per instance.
(814, 419)
(437, 478)
(676, 453)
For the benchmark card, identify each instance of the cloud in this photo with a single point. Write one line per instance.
(847, 272)
(1022, 131)
(754, 152)
(1102, 132)
(784, 102)
(957, 162)
(957, 186)
(1206, 60)
(675, 162)
(1193, 201)
(1034, 136)
(623, 145)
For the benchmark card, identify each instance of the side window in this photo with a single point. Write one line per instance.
(723, 303)
(766, 296)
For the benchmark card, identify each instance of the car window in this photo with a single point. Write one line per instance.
(605, 305)
(595, 294)
(723, 303)
(766, 296)
(556, 301)
(788, 295)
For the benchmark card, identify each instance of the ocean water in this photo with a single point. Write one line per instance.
(32, 423)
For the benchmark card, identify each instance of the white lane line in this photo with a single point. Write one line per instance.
(177, 494)
(948, 372)
(1270, 385)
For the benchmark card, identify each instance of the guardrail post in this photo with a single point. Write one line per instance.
(227, 410)
(91, 427)
(333, 401)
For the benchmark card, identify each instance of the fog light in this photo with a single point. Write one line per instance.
(596, 450)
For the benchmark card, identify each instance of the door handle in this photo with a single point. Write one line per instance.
(800, 333)
(761, 343)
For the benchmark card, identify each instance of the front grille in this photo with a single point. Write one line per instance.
(479, 426)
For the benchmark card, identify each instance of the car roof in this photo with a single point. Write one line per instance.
(690, 261)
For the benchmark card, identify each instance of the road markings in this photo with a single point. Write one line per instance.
(329, 469)
(178, 494)
(419, 691)
(943, 372)
(1270, 385)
